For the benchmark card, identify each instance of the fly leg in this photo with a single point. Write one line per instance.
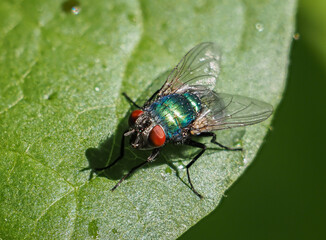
(151, 158)
(131, 101)
(198, 145)
(122, 152)
(213, 140)
(154, 94)
(135, 104)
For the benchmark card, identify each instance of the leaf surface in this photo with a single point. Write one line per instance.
(61, 110)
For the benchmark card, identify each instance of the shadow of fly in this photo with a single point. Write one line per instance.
(186, 106)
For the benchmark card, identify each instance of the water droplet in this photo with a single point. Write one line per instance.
(259, 27)
(97, 89)
(50, 96)
(71, 6)
(163, 176)
(296, 36)
(75, 10)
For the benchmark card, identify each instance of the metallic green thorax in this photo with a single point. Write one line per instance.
(175, 112)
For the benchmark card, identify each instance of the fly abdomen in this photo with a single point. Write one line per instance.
(194, 101)
(175, 112)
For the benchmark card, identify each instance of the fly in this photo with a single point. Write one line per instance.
(186, 106)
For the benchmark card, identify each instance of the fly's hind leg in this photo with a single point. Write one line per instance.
(213, 140)
(198, 145)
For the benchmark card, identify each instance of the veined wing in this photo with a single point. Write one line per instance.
(200, 66)
(222, 111)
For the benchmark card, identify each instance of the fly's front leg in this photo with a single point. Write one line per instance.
(131, 101)
(154, 95)
(198, 145)
(213, 140)
(122, 152)
(151, 158)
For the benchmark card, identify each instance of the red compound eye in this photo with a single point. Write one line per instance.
(134, 115)
(157, 136)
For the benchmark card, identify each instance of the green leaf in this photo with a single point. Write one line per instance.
(61, 110)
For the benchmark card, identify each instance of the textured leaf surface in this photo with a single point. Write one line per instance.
(61, 110)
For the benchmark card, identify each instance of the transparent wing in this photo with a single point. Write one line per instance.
(200, 66)
(221, 111)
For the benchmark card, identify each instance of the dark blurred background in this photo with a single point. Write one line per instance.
(283, 193)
